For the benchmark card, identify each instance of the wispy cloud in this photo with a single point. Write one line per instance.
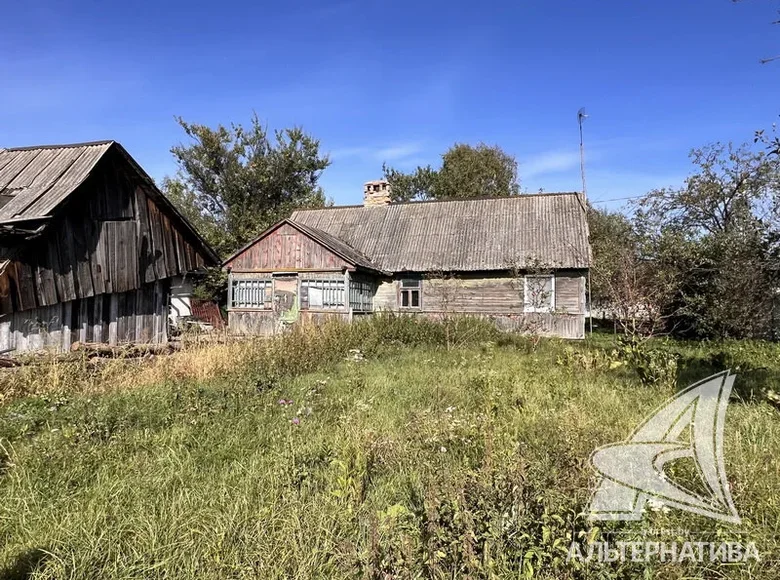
(395, 152)
(548, 163)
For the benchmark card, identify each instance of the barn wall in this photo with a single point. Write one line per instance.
(137, 316)
(286, 248)
(111, 237)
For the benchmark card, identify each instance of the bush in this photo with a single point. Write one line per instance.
(653, 366)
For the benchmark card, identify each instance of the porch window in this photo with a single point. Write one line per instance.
(411, 293)
(539, 293)
(251, 293)
(361, 296)
(325, 294)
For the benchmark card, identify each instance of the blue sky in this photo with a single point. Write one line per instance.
(400, 81)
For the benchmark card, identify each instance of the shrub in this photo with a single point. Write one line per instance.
(653, 366)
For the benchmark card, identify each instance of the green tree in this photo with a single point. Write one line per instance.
(234, 182)
(466, 171)
(716, 237)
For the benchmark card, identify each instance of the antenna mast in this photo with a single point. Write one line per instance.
(581, 116)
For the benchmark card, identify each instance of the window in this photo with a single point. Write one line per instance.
(411, 293)
(361, 296)
(539, 293)
(322, 294)
(246, 293)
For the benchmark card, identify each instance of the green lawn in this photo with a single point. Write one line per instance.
(416, 462)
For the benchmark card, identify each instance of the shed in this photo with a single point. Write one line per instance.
(89, 247)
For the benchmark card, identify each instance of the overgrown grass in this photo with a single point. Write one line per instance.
(302, 458)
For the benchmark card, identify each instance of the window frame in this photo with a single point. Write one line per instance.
(361, 295)
(335, 284)
(527, 307)
(418, 287)
(265, 286)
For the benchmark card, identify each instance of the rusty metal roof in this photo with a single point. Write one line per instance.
(34, 180)
(462, 235)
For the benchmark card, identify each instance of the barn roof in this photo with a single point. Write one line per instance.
(462, 235)
(35, 181)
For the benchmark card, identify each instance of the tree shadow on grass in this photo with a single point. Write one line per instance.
(751, 383)
(25, 564)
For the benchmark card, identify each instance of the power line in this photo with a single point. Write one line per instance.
(616, 199)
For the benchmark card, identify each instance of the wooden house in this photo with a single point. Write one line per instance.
(89, 248)
(521, 261)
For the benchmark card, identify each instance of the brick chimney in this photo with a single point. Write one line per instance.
(376, 193)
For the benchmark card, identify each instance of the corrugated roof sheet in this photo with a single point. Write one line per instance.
(462, 235)
(333, 243)
(34, 180)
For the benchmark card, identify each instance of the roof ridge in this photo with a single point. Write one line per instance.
(61, 146)
(448, 200)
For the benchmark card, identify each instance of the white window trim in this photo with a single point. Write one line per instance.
(530, 307)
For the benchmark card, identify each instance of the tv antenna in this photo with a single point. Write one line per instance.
(582, 114)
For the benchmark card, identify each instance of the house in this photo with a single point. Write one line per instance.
(89, 248)
(521, 261)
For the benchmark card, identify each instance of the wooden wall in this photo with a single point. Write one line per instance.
(495, 296)
(137, 316)
(498, 297)
(286, 249)
(110, 237)
(266, 322)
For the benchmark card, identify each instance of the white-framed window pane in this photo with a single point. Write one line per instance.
(539, 293)
(315, 297)
(411, 293)
(361, 295)
(326, 294)
(250, 293)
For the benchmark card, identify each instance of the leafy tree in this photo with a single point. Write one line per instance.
(716, 238)
(611, 236)
(466, 171)
(625, 283)
(234, 182)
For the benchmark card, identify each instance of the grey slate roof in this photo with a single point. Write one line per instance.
(34, 180)
(339, 247)
(462, 235)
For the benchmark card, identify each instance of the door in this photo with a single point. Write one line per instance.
(286, 299)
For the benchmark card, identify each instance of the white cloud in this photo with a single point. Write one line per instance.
(388, 153)
(397, 152)
(549, 162)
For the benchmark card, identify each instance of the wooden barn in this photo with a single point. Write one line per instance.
(521, 261)
(89, 248)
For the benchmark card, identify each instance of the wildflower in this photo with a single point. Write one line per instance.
(443, 449)
(282, 402)
(295, 421)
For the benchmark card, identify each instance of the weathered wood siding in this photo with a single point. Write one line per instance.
(110, 237)
(137, 316)
(266, 322)
(498, 297)
(286, 249)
